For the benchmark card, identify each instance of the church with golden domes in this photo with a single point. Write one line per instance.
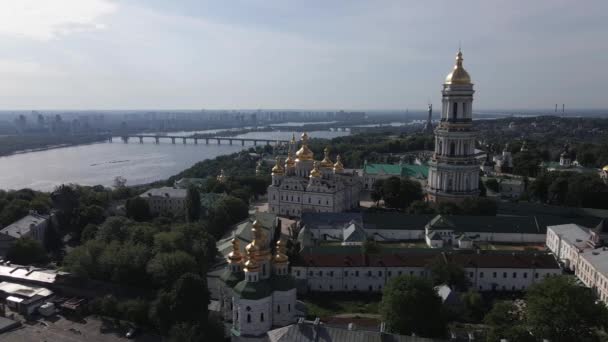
(300, 184)
(453, 169)
(257, 291)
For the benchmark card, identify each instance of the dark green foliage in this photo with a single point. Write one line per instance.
(164, 268)
(26, 251)
(397, 192)
(226, 212)
(193, 204)
(475, 206)
(571, 189)
(559, 309)
(138, 209)
(411, 305)
(505, 321)
(13, 211)
(420, 208)
(473, 306)
(493, 185)
(445, 272)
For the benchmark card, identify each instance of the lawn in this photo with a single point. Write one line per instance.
(327, 305)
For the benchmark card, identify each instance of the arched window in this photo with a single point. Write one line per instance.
(248, 318)
(454, 110)
(261, 317)
(288, 307)
(464, 109)
(440, 147)
(263, 269)
(278, 308)
(449, 184)
(467, 183)
(452, 149)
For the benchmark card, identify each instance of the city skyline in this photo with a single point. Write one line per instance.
(103, 54)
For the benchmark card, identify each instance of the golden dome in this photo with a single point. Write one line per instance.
(280, 256)
(315, 173)
(326, 162)
(290, 162)
(278, 169)
(458, 75)
(235, 256)
(338, 167)
(605, 168)
(251, 265)
(304, 153)
(256, 246)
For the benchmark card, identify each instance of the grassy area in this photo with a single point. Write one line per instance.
(327, 305)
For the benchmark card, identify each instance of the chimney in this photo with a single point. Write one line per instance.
(351, 326)
(382, 327)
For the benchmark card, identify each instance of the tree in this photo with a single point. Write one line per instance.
(165, 267)
(376, 193)
(411, 305)
(13, 211)
(493, 185)
(193, 204)
(52, 239)
(446, 272)
(505, 321)
(559, 309)
(26, 251)
(479, 206)
(138, 209)
(190, 298)
(473, 305)
(391, 192)
(420, 208)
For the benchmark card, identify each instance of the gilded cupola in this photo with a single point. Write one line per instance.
(458, 75)
(235, 257)
(290, 162)
(315, 173)
(280, 255)
(251, 265)
(304, 153)
(326, 162)
(277, 168)
(222, 176)
(257, 246)
(338, 167)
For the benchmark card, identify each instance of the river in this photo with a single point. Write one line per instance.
(100, 163)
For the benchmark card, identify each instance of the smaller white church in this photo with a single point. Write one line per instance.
(257, 292)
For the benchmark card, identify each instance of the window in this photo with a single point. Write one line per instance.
(369, 273)
(536, 275)
(310, 273)
(494, 274)
(288, 307)
(261, 317)
(370, 288)
(308, 199)
(346, 273)
(455, 110)
(480, 274)
(504, 274)
(331, 273)
(471, 274)
(411, 272)
(248, 318)
(525, 274)
(390, 274)
(379, 273)
(278, 308)
(514, 274)
(356, 273)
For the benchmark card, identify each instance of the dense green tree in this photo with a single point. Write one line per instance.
(166, 267)
(473, 305)
(493, 185)
(446, 272)
(26, 251)
(420, 208)
(190, 298)
(114, 228)
(505, 321)
(13, 211)
(137, 209)
(411, 305)
(376, 193)
(559, 309)
(193, 204)
(52, 240)
(478, 206)
(89, 232)
(399, 193)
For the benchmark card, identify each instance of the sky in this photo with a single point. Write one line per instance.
(313, 54)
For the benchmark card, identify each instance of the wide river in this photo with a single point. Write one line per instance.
(100, 163)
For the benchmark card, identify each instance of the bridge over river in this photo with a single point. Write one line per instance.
(195, 140)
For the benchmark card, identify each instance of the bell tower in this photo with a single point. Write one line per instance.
(454, 171)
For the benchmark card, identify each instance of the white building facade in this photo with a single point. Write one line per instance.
(454, 170)
(166, 200)
(304, 185)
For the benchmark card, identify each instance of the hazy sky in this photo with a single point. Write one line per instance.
(190, 54)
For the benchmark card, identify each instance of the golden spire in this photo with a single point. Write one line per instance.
(235, 256)
(326, 162)
(280, 256)
(315, 173)
(278, 169)
(251, 264)
(257, 245)
(258, 168)
(293, 139)
(304, 153)
(290, 162)
(338, 167)
(221, 177)
(458, 75)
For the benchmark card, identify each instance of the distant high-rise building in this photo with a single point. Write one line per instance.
(428, 126)
(454, 171)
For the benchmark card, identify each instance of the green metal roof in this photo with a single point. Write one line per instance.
(231, 278)
(401, 170)
(253, 290)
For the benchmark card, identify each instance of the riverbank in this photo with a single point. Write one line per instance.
(21, 144)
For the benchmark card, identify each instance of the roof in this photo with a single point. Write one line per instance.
(14, 289)
(27, 273)
(310, 332)
(253, 290)
(354, 233)
(23, 226)
(242, 231)
(328, 220)
(184, 183)
(401, 170)
(598, 258)
(394, 220)
(165, 191)
(572, 233)
(352, 256)
(493, 224)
